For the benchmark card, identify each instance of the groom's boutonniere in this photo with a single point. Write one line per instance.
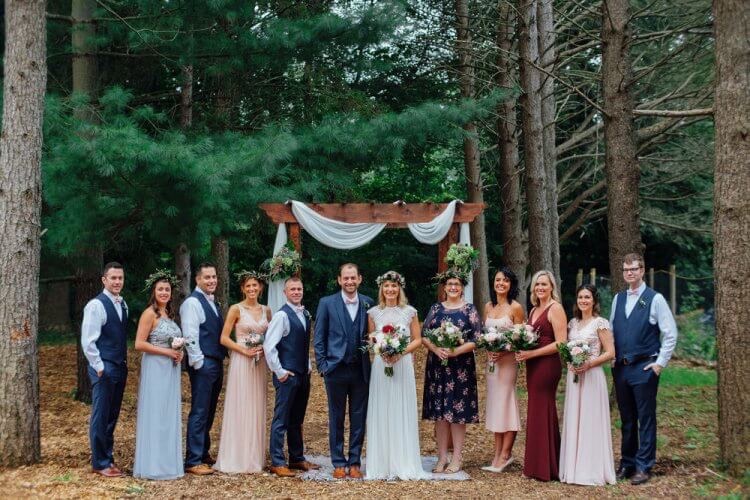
(307, 314)
(642, 303)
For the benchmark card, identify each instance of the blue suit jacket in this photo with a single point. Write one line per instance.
(332, 322)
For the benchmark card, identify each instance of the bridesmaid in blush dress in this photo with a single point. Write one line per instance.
(543, 371)
(586, 448)
(242, 448)
(502, 417)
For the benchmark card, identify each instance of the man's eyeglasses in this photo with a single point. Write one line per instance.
(627, 270)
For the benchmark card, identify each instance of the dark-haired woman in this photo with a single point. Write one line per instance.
(501, 415)
(158, 430)
(586, 447)
(242, 447)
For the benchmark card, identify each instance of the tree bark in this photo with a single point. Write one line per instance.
(186, 98)
(732, 230)
(507, 172)
(87, 285)
(183, 272)
(25, 78)
(472, 168)
(620, 160)
(533, 143)
(546, 25)
(220, 257)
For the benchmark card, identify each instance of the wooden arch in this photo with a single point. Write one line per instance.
(395, 215)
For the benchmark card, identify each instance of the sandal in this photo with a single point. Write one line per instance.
(439, 468)
(452, 468)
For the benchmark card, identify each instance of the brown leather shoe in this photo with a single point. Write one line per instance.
(304, 466)
(354, 472)
(640, 477)
(282, 471)
(339, 473)
(209, 460)
(108, 472)
(116, 469)
(199, 470)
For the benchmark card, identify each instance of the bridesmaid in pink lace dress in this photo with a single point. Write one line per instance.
(243, 431)
(586, 448)
(501, 415)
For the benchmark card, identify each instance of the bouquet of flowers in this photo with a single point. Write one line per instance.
(575, 352)
(285, 263)
(447, 336)
(521, 337)
(178, 343)
(464, 257)
(492, 340)
(255, 340)
(389, 341)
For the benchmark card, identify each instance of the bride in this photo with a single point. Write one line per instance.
(392, 424)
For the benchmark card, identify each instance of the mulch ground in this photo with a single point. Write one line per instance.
(65, 470)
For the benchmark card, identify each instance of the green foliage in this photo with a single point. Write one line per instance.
(697, 338)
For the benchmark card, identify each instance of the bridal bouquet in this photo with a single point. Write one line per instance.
(575, 352)
(390, 340)
(447, 336)
(521, 337)
(284, 264)
(255, 340)
(492, 340)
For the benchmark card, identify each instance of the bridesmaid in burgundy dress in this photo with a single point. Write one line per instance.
(543, 371)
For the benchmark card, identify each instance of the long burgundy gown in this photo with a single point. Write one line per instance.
(542, 454)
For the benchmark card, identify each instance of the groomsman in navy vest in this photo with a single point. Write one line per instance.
(104, 342)
(287, 350)
(340, 332)
(639, 317)
(201, 324)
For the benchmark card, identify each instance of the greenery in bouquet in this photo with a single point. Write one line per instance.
(492, 340)
(446, 336)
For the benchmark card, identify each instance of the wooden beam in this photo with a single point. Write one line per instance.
(395, 215)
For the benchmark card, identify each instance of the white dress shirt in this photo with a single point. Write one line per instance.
(351, 308)
(278, 328)
(660, 315)
(191, 317)
(94, 318)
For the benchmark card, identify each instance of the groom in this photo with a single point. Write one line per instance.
(340, 331)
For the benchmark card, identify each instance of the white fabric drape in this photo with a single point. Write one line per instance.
(334, 233)
(465, 239)
(431, 233)
(276, 297)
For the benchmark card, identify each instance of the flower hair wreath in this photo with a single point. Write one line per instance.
(391, 276)
(246, 275)
(161, 275)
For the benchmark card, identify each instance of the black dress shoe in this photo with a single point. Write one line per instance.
(640, 477)
(624, 473)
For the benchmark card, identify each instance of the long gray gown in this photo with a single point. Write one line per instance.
(158, 432)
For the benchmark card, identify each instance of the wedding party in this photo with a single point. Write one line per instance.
(345, 248)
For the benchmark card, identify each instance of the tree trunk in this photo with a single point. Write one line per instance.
(731, 230)
(533, 148)
(507, 173)
(220, 257)
(25, 78)
(186, 98)
(546, 25)
(472, 167)
(183, 272)
(620, 161)
(87, 285)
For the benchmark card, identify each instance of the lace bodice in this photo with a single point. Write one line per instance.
(504, 322)
(589, 333)
(393, 315)
(165, 329)
(247, 324)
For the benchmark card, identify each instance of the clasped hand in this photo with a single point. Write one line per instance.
(392, 359)
(443, 353)
(524, 356)
(254, 352)
(176, 356)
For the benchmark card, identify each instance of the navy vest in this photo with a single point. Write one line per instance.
(113, 341)
(635, 336)
(209, 332)
(294, 349)
(353, 354)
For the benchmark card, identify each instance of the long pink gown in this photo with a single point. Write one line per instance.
(501, 412)
(586, 447)
(242, 448)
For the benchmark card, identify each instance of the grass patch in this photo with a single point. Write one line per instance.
(56, 337)
(135, 489)
(68, 477)
(678, 376)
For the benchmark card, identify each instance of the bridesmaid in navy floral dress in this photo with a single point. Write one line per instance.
(450, 392)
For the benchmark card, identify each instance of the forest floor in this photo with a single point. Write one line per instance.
(686, 463)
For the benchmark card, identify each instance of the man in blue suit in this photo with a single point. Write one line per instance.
(340, 332)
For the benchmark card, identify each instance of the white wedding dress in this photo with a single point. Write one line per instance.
(392, 421)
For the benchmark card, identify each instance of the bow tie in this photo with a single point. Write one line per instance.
(210, 297)
(632, 292)
(117, 299)
(351, 301)
(299, 309)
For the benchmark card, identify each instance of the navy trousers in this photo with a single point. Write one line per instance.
(636, 399)
(205, 386)
(288, 416)
(346, 382)
(106, 399)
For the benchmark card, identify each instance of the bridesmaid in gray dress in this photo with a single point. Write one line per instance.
(158, 433)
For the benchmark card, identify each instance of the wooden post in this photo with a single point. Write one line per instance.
(443, 246)
(579, 278)
(592, 276)
(673, 288)
(296, 236)
(651, 277)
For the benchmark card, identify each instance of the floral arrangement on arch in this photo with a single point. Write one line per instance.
(284, 264)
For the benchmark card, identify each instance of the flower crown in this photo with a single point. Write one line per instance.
(391, 276)
(161, 275)
(246, 275)
(462, 260)
(453, 273)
